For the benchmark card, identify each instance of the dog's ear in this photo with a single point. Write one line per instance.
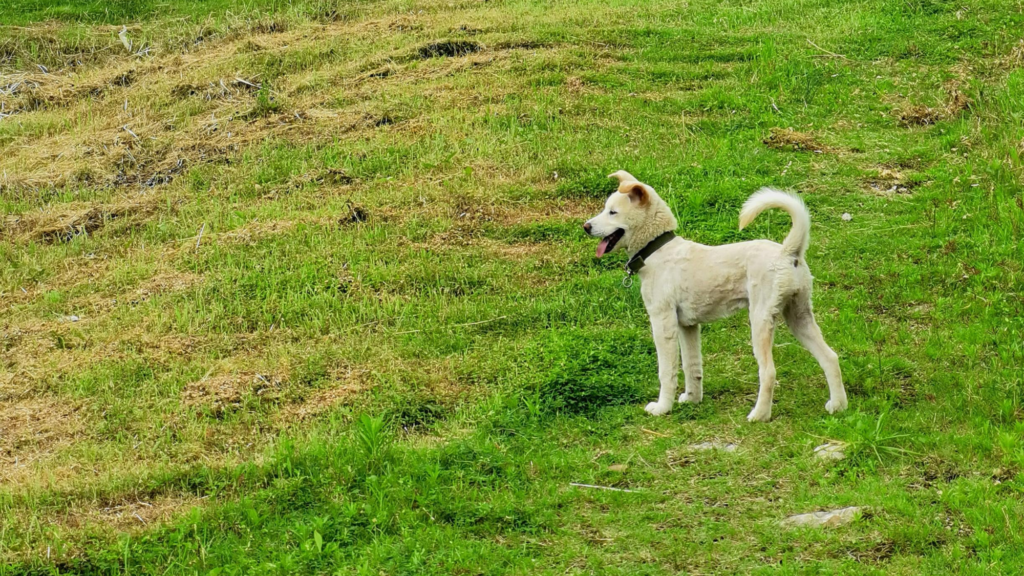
(637, 193)
(622, 176)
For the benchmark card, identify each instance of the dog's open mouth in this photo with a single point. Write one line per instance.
(608, 242)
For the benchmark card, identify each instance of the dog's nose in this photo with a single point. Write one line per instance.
(586, 227)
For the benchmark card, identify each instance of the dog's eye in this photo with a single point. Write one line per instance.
(612, 212)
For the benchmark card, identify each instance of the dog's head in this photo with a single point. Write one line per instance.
(625, 212)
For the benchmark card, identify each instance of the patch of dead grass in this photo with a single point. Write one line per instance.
(920, 115)
(890, 181)
(346, 384)
(227, 392)
(1015, 59)
(165, 282)
(790, 139)
(130, 516)
(64, 222)
(33, 428)
(956, 101)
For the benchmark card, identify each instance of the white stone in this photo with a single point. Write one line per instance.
(823, 519)
(714, 446)
(846, 217)
(831, 451)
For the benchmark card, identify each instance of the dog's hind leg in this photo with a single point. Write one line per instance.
(800, 318)
(762, 328)
(666, 339)
(689, 345)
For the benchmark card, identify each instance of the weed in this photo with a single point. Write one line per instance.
(374, 441)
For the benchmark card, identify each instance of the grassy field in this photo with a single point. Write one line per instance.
(301, 288)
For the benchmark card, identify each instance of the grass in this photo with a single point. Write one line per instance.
(301, 287)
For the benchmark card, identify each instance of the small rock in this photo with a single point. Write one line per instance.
(618, 468)
(831, 451)
(846, 217)
(714, 446)
(823, 519)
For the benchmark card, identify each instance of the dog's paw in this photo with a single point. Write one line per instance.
(689, 398)
(656, 409)
(758, 415)
(833, 406)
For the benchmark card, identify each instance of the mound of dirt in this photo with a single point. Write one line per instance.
(789, 139)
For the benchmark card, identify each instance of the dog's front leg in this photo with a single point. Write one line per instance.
(690, 347)
(666, 340)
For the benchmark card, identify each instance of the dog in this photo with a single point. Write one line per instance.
(685, 284)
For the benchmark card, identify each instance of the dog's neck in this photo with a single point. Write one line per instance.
(659, 221)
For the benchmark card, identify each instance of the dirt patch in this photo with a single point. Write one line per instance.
(790, 139)
(33, 427)
(67, 223)
(226, 393)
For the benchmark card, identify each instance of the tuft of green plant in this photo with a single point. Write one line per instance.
(868, 439)
(374, 442)
(266, 103)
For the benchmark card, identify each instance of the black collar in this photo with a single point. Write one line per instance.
(637, 261)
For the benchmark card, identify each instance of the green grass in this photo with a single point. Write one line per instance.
(349, 322)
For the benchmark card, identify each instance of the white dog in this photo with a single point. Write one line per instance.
(686, 284)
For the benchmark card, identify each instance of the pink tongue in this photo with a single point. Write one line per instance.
(602, 246)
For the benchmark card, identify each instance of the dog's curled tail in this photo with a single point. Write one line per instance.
(800, 235)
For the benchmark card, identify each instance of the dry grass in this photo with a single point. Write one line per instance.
(919, 115)
(65, 222)
(89, 126)
(889, 181)
(790, 139)
(347, 384)
(127, 516)
(31, 429)
(227, 392)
